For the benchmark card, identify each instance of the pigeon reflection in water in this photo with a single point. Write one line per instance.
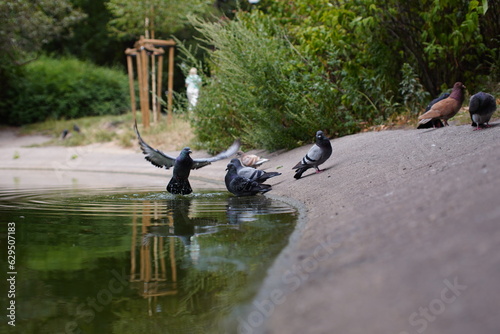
(245, 209)
(184, 227)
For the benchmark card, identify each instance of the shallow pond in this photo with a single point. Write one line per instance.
(123, 261)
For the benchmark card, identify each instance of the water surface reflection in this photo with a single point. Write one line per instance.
(119, 261)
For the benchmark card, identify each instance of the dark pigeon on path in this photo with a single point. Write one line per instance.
(179, 183)
(481, 108)
(446, 108)
(435, 123)
(317, 155)
(251, 173)
(242, 186)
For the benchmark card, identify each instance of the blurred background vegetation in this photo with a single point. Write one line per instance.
(274, 72)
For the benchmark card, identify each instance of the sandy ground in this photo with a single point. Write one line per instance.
(399, 235)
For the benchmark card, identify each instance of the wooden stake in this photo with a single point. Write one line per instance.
(145, 88)
(139, 77)
(160, 75)
(170, 81)
(130, 69)
(153, 88)
(141, 48)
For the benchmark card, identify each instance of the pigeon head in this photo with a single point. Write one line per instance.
(236, 162)
(186, 151)
(457, 92)
(231, 167)
(320, 135)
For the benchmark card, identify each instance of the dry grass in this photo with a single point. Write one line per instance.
(117, 130)
(166, 136)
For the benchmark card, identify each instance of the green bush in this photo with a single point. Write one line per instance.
(262, 90)
(66, 89)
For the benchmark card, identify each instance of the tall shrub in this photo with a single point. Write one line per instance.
(262, 89)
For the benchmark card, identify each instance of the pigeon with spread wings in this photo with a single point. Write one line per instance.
(179, 183)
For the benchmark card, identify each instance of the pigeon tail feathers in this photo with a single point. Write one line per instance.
(299, 172)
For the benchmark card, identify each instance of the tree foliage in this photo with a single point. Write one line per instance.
(152, 18)
(279, 73)
(28, 25)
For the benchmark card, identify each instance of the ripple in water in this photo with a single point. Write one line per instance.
(129, 261)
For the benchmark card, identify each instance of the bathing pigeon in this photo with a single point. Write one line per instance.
(435, 123)
(251, 173)
(179, 184)
(481, 107)
(250, 160)
(446, 108)
(242, 186)
(317, 155)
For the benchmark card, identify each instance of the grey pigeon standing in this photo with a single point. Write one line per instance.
(481, 108)
(317, 155)
(242, 186)
(179, 183)
(251, 173)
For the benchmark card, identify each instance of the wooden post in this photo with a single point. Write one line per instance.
(141, 49)
(139, 78)
(153, 87)
(158, 96)
(170, 82)
(145, 88)
(130, 68)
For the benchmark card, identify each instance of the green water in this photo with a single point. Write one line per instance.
(121, 261)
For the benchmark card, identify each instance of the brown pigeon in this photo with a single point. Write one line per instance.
(447, 108)
(250, 160)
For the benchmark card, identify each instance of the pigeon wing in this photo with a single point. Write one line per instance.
(474, 104)
(313, 155)
(250, 173)
(446, 108)
(156, 157)
(198, 163)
